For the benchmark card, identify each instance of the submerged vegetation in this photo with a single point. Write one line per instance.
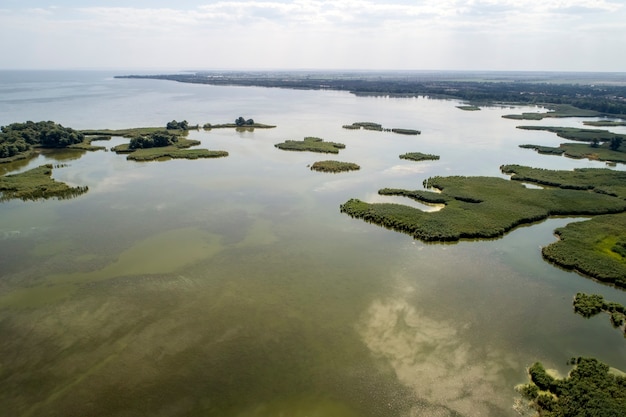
(334, 166)
(479, 207)
(36, 184)
(591, 389)
(311, 144)
(418, 156)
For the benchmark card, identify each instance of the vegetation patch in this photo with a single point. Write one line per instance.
(604, 123)
(591, 389)
(378, 127)
(557, 111)
(468, 108)
(174, 153)
(479, 207)
(578, 134)
(601, 152)
(240, 123)
(588, 305)
(162, 144)
(599, 180)
(36, 184)
(418, 156)
(17, 140)
(593, 247)
(334, 166)
(311, 144)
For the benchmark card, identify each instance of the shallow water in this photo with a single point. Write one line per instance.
(235, 286)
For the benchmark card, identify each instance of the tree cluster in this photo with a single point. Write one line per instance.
(20, 137)
(590, 390)
(153, 140)
(174, 125)
(240, 121)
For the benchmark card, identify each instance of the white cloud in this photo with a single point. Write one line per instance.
(427, 34)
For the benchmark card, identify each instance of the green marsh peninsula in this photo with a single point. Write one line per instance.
(334, 166)
(160, 144)
(480, 207)
(555, 111)
(36, 184)
(311, 144)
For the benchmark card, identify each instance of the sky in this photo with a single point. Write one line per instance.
(524, 35)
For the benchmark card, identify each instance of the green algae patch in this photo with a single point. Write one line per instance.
(311, 144)
(160, 254)
(418, 156)
(37, 184)
(479, 207)
(334, 166)
(592, 247)
(163, 253)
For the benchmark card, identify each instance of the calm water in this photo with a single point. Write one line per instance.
(234, 287)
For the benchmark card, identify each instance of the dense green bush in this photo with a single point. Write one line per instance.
(17, 138)
(590, 390)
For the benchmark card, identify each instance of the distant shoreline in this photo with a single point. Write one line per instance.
(604, 93)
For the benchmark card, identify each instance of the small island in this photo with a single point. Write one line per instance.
(240, 124)
(468, 108)
(378, 127)
(334, 166)
(418, 156)
(312, 144)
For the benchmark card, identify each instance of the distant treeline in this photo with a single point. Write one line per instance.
(607, 99)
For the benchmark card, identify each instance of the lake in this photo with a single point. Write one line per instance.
(235, 287)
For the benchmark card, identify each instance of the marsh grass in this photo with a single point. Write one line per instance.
(556, 111)
(468, 108)
(605, 123)
(599, 180)
(478, 207)
(311, 144)
(152, 154)
(590, 247)
(418, 156)
(578, 134)
(36, 184)
(334, 166)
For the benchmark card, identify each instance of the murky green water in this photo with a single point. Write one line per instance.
(234, 287)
